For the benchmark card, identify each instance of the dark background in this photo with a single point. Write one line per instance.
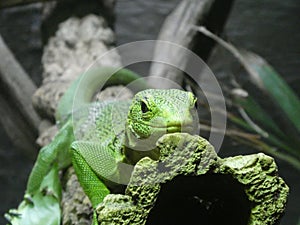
(270, 28)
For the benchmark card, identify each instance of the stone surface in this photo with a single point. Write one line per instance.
(236, 190)
(115, 205)
(266, 191)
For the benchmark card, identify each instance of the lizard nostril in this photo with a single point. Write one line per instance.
(174, 125)
(174, 128)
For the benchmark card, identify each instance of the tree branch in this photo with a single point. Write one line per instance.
(178, 28)
(21, 121)
(12, 3)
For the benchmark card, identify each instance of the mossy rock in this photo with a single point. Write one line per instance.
(190, 184)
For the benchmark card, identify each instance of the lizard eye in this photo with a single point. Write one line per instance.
(144, 107)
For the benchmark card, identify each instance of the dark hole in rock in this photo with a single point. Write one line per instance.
(206, 200)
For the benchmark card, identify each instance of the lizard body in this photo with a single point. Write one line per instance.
(113, 132)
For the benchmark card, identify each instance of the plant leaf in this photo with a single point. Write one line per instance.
(265, 77)
(268, 80)
(43, 208)
(257, 113)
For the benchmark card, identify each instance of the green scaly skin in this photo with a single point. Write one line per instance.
(116, 133)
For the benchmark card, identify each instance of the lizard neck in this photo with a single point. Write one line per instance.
(136, 148)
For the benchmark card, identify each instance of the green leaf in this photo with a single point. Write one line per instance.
(268, 80)
(265, 77)
(259, 115)
(43, 208)
(270, 137)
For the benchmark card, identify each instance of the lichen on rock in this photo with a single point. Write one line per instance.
(190, 183)
(119, 209)
(266, 191)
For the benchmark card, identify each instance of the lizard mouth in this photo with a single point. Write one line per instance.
(186, 128)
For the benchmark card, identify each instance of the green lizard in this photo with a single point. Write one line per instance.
(113, 132)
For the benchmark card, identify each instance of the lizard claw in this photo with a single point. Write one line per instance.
(12, 213)
(28, 199)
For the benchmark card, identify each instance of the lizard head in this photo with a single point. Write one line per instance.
(155, 112)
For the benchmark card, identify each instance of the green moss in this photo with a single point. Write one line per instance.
(119, 209)
(190, 179)
(266, 191)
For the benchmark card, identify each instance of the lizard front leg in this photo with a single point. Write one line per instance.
(50, 154)
(41, 204)
(94, 163)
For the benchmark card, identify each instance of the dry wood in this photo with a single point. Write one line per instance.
(18, 116)
(179, 28)
(16, 128)
(11, 3)
(18, 85)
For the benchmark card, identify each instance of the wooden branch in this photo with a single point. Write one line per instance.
(20, 120)
(12, 3)
(16, 128)
(178, 28)
(18, 85)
